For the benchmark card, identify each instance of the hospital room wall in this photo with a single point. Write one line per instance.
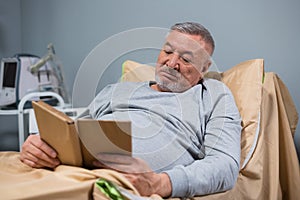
(10, 27)
(243, 30)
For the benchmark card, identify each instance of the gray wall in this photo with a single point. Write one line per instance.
(243, 30)
(10, 27)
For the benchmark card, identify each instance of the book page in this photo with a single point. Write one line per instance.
(105, 136)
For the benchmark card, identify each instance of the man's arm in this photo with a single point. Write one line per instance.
(219, 169)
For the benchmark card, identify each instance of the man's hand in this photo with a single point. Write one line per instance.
(138, 173)
(36, 153)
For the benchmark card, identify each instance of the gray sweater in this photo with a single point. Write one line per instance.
(192, 136)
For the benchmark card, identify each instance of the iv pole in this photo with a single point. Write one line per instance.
(57, 69)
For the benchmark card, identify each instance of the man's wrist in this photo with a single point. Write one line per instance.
(165, 189)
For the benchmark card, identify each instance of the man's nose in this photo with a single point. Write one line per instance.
(173, 61)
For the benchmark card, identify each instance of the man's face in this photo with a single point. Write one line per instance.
(182, 62)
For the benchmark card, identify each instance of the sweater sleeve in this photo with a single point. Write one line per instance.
(219, 169)
(101, 103)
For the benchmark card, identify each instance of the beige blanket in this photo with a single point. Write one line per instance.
(18, 181)
(271, 173)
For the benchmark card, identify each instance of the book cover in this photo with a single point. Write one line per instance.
(78, 142)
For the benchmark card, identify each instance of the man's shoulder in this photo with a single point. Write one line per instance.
(216, 86)
(126, 86)
(130, 84)
(210, 82)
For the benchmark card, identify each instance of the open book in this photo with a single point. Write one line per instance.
(78, 141)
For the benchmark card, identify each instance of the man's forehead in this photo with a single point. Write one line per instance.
(185, 41)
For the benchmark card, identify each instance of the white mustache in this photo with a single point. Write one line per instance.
(170, 71)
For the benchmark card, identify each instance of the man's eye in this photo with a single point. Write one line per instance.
(168, 51)
(186, 60)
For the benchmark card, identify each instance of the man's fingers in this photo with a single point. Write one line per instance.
(99, 164)
(115, 158)
(38, 160)
(39, 144)
(116, 162)
(122, 163)
(31, 164)
(36, 153)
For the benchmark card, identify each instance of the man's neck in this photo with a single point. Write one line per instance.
(156, 87)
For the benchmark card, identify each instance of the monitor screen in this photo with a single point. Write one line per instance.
(9, 74)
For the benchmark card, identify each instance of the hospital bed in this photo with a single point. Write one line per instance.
(269, 166)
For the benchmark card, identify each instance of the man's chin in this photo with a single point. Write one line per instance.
(171, 87)
(168, 85)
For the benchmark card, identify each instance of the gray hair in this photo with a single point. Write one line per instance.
(194, 28)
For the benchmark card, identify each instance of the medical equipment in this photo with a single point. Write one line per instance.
(25, 73)
(51, 58)
(9, 70)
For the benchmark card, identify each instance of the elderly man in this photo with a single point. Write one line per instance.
(185, 128)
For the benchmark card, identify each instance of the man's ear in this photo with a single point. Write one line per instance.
(206, 67)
